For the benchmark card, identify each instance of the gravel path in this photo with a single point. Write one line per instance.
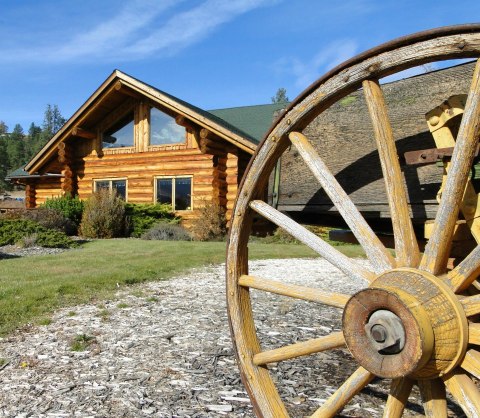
(163, 349)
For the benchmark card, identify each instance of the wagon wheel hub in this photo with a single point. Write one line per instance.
(408, 323)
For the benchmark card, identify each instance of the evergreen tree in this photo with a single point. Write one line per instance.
(280, 96)
(52, 121)
(3, 128)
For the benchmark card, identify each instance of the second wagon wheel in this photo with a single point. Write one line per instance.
(411, 299)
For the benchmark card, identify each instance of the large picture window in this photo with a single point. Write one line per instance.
(120, 135)
(164, 130)
(176, 191)
(118, 186)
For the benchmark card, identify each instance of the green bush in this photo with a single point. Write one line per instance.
(103, 216)
(210, 224)
(27, 232)
(167, 232)
(142, 217)
(70, 207)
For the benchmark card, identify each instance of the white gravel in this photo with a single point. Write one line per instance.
(163, 349)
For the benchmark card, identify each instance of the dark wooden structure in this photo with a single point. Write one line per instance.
(343, 135)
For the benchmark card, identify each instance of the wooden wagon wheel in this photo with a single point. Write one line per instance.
(413, 323)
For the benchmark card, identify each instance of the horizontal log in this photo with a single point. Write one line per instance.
(83, 133)
(186, 123)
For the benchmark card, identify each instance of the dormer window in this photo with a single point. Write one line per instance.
(164, 130)
(120, 135)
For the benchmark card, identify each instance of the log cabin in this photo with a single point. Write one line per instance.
(147, 146)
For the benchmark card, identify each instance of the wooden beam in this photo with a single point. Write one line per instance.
(83, 133)
(186, 123)
(122, 88)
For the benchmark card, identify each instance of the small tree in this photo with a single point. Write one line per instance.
(280, 96)
(211, 222)
(103, 216)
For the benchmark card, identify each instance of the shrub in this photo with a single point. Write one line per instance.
(211, 222)
(70, 207)
(27, 232)
(167, 232)
(103, 216)
(141, 217)
(49, 218)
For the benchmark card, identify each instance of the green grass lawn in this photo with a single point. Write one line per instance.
(31, 288)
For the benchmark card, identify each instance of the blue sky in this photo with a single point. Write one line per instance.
(211, 53)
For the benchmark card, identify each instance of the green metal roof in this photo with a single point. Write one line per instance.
(19, 172)
(253, 120)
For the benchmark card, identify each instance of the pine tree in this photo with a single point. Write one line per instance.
(280, 96)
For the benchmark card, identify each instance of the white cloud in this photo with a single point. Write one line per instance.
(306, 72)
(194, 25)
(141, 29)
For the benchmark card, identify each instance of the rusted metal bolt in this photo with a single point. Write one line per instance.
(378, 333)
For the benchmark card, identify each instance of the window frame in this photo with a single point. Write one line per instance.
(186, 176)
(110, 185)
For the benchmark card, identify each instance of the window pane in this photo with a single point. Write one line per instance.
(183, 193)
(120, 135)
(120, 186)
(102, 185)
(164, 191)
(164, 129)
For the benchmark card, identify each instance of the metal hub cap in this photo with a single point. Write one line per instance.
(386, 332)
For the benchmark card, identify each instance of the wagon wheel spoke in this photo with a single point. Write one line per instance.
(437, 250)
(345, 264)
(397, 399)
(474, 333)
(471, 363)
(406, 246)
(463, 275)
(294, 291)
(376, 252)
(353, 385)
(464, 391)
(471, 305)
(305, 348)
(434, 398)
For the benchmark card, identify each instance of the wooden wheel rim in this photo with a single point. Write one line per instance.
(442, 44)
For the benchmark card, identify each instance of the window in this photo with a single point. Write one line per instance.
(176, 191)
(120, 135)
(118, 186)
(164, 130)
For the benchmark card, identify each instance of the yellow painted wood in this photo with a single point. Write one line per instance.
(471, 305)
(471, 363)
(406, 246)
(474, 333)
(465, 392)
(436, 252)
(348, 266)
(462, 276)
(399, 392)
(379, 256)
(304, 348)
(353, 385)
(433, 398)
(294, 291)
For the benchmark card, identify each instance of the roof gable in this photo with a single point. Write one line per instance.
(108, 95)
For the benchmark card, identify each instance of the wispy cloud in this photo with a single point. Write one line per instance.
(140, 29)
(307, 71)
